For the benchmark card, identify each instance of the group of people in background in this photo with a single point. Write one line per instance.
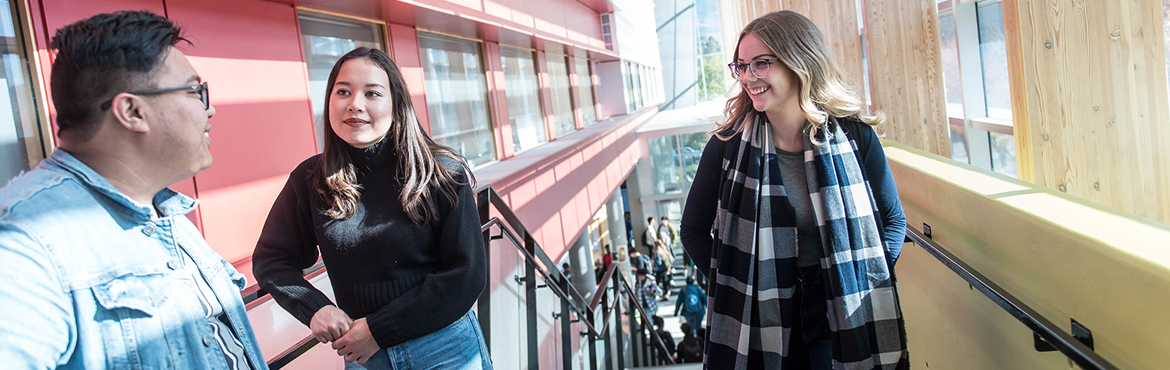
(792, 194)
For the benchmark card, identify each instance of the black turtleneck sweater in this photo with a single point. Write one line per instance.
(406, 279)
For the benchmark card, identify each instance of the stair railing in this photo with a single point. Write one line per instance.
(647, 348)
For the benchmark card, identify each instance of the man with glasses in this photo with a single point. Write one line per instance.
(104, 269)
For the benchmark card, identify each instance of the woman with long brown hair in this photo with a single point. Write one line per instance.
(805, 213)
(393, 216)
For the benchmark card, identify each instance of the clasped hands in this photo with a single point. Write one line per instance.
(351, 338)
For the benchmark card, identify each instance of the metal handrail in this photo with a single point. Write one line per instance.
(513, 229)
(1076, 351)
(601, 289)
(556, 289)
(256, 296)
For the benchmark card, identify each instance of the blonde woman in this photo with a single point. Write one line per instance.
(806, 218)
(392, 214)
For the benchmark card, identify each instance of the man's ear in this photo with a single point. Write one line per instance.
(130, 111)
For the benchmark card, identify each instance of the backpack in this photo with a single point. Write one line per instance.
(659, 263)
(690, 350)
(691, 302)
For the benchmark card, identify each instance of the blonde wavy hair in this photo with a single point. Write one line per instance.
(823, 91)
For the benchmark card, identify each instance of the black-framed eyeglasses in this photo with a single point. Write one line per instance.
(759, 67)
(201, 88)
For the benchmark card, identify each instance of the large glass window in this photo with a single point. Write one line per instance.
(1166, 36)
(456, 96)
(628, 79)
(674, 161)
(993, 51)
(953, 86)
(523, 90)
(585, 89)
(1003, 153)
(645, 82)
(636, 83)
(21, 141)
(979, 109)
(953, 79)
(562, 102)
(326, 38)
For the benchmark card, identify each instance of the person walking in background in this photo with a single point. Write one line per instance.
(650, 236)
(663, 260)
(795, 148)
(667, 234)
(629, 227)
(606, 257)
(690, 348)
(667, 339)
(598, 271)
(638, 262)
(103, 267)
(393, 216)
(647, 291)
(692, 302)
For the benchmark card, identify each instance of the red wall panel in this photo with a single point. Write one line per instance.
(498, 99)
(250, 53)
(404, 50)
(59, 13)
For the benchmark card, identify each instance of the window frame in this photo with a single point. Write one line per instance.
(328, 16)
(42, 125)
(568, 81)
(592, 86)
(976, 123)
(489, 108)
(539, 96)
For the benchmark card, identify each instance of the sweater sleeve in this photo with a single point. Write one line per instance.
(447, 293)
(702, 201)
(287, 246)
(885, 192)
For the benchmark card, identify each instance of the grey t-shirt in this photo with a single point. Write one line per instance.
(808, 249)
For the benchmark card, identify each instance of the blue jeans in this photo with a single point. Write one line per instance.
(814, 321)
(820, 355)
(696, 320)
(457, 346)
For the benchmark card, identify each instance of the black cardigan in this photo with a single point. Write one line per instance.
(406, 279)
(702, 201)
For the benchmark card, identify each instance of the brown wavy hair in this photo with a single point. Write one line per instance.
(823, 91)
(421, 174)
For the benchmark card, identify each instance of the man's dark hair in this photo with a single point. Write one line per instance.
(657, 321)
(102, 56)
(665, 219)
(641, 272)
(650, 219)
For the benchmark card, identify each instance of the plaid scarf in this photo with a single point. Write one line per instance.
(754, 261)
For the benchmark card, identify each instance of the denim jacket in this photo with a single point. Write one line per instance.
(91, 281)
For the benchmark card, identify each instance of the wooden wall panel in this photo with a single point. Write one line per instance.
(905, 72)
(1092, 110)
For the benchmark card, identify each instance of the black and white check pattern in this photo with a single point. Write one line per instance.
(754, 264)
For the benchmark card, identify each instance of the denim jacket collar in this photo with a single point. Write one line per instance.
(167, 201)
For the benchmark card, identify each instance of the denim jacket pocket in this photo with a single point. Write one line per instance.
(135, 291)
